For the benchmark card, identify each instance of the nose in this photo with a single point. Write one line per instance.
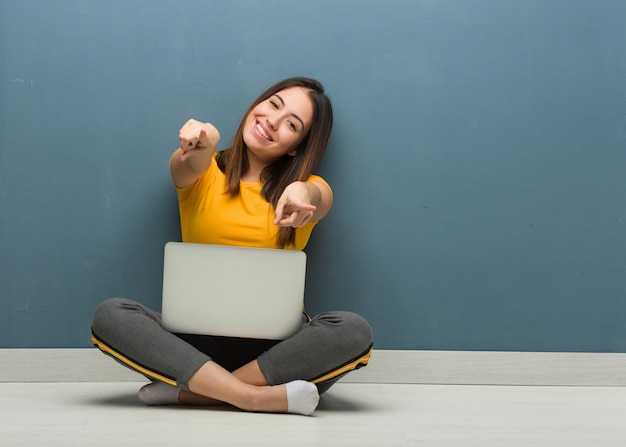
(271, 122)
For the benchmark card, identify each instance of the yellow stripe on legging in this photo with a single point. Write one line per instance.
(130, 363)
(361, 361)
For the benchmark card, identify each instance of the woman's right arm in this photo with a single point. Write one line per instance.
(198, 142)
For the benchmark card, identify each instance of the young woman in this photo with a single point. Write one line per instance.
(260, 192)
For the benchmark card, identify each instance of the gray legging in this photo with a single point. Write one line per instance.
(327, 347)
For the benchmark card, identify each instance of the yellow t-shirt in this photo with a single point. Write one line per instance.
(208, 215)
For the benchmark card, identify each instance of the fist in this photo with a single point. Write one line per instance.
(196, 136)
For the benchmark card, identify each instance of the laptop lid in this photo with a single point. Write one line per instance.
(233, 291)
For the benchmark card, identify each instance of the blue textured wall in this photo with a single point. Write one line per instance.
(478, 159)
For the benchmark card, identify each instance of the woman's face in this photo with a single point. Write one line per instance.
(277, 125)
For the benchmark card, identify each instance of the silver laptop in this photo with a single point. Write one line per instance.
(233, 291)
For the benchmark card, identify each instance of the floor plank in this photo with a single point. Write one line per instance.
(104, 414)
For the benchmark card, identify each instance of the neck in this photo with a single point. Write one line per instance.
(253, 174)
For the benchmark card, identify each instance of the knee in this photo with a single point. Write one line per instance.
(361, 329)
(106, 316)
(352, 330)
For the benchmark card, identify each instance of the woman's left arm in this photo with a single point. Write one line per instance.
(303, 202)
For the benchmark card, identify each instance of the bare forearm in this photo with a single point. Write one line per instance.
(185, 170)
(321, 198)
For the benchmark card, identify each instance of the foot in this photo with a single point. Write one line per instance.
(302, 397)
(159, 393)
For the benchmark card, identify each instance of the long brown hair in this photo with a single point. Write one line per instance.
(287, 169)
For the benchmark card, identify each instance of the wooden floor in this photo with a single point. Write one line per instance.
(350, 414)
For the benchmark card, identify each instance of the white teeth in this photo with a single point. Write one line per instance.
(262, 132)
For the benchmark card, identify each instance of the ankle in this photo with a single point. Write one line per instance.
(266, 399)
(189, 398)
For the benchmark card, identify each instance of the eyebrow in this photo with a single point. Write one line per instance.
(294, 115)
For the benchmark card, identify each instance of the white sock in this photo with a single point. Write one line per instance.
(159, 393)
(302, 397)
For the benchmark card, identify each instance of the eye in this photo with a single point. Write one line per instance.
(274, 104)
(292, 125)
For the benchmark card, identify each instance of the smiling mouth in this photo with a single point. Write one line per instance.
(263, 133)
